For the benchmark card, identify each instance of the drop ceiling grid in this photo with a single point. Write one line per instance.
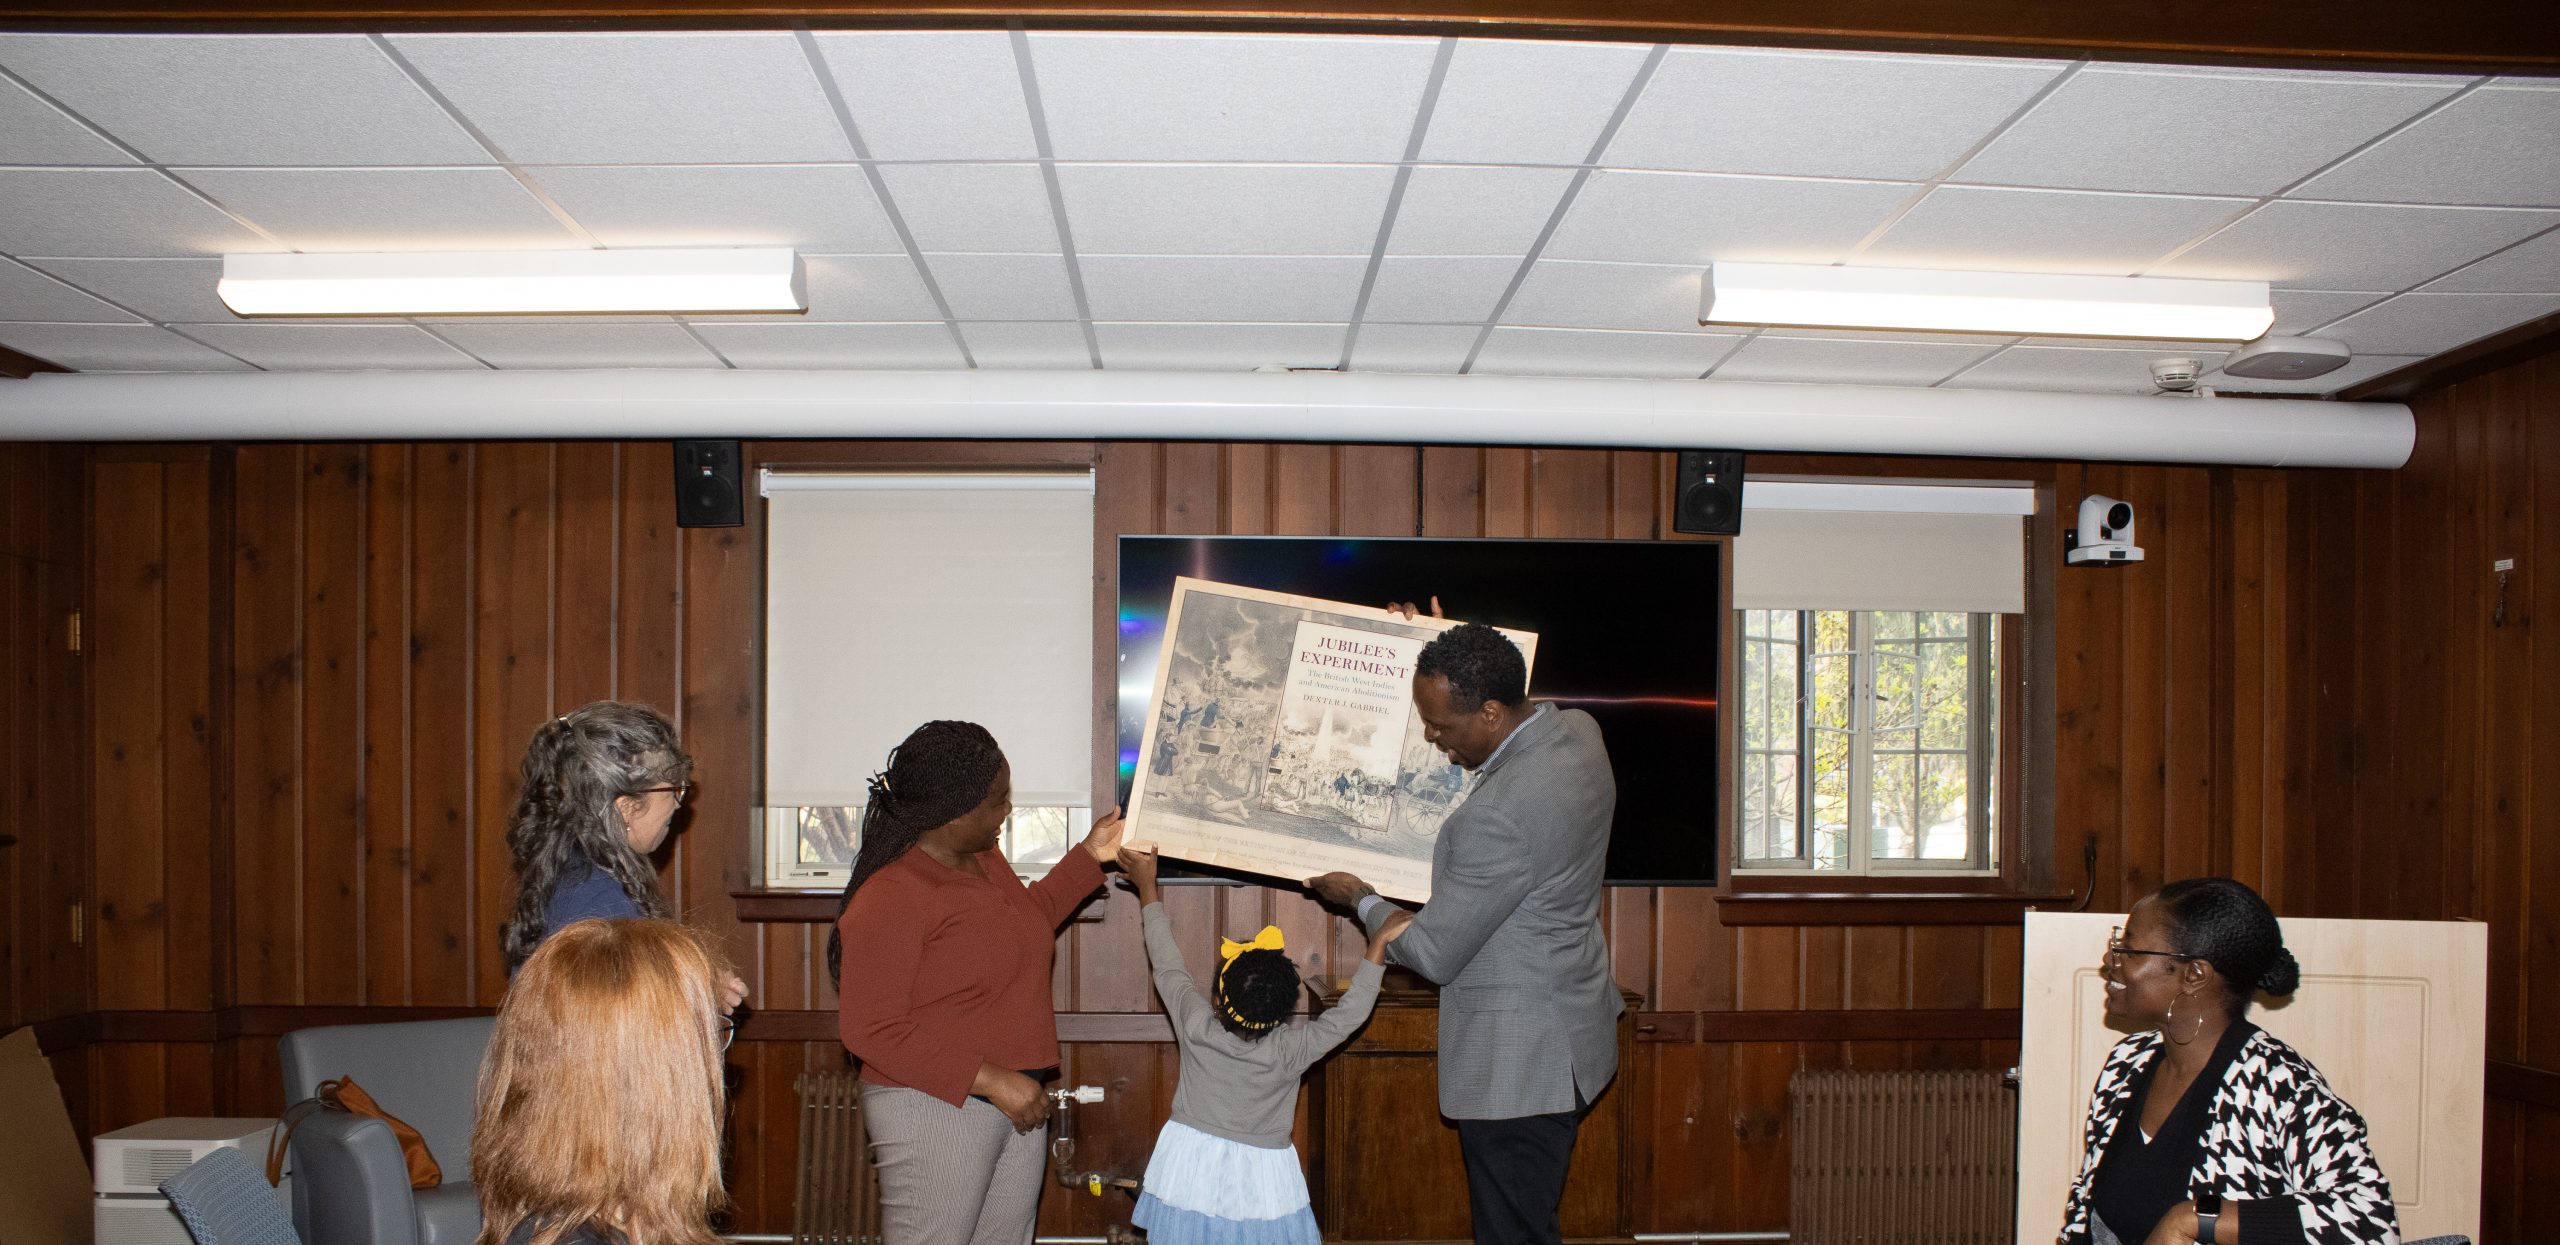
(1197, 193)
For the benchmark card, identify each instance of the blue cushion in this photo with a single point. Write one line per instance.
(225, 1200)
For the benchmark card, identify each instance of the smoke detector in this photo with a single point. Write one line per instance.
(2175, 375)
(2286, 358)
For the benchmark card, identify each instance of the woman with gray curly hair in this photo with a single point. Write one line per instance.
(600, 787)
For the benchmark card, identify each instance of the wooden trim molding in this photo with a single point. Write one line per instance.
(1982, 1024)
(2477, 36)
(2498, 350)
(2525, 1083)
(68, 1033)
(1833, 907)
(18, 366)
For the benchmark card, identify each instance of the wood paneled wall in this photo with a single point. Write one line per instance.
(2437, 725)
(325, 659)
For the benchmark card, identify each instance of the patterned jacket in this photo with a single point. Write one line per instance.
(2276, 1136)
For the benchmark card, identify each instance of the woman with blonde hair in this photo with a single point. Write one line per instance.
(598, 1120)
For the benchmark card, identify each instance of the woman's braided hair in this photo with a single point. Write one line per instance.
(934, 777)
(577, 765)
(2224, 923)
(1256, 992)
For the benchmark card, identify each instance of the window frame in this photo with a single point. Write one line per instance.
(2030, 839)
(1989, 747)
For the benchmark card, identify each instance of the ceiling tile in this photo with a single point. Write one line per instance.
(2353, 246)
(172, 291)
(1132, 209)
(641, 98)
(1679, 218)
(544, 344)
(1440, 349)
(1576, 294)
(1583, 352)
(974, 207)
(332, 348)
(26, 294)
(2495, 146)
(2044, 230)
(2532, 268)
(1832, 361)
(1475, 210)
(1219, 347)
(2423, 324)
(852, 289)
(245, 99)
(1004, 287)
(1238, 290)
(1028, 344)
(1229, 97)
(1528, 101)
(816, 208)
(872, 346)
(2357, 371)
(2303, 311)
(2196, 132)
(932, 94)
(35, 132)
(115, 348)
(131, 212)
(1719, 110)
(2063, 369)
(1439, 289)
(388, 209)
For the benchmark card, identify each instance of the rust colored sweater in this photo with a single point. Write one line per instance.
(944, 971)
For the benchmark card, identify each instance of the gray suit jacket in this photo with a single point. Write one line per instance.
(1528, 1007)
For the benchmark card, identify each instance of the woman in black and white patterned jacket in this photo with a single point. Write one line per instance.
(2202, 1127)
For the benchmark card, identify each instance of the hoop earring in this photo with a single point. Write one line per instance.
(2169, 1023)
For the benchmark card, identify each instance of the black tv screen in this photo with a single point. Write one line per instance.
(1630, 631)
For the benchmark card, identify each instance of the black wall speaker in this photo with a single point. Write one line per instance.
(1709, 493)
(707, 493)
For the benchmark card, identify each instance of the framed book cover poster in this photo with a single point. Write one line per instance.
(1282, 740)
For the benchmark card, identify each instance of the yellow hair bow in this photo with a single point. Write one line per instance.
(1267, 940)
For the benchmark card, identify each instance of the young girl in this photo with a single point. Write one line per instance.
(1224, 1171)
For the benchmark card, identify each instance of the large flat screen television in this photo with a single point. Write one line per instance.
(1630, 631)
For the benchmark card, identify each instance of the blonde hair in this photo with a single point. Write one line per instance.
(600, 1096)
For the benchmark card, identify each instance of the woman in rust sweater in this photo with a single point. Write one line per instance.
(941, 958)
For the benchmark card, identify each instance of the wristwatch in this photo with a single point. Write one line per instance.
(2208, 1217)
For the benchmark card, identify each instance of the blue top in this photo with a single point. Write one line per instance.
(584, 893)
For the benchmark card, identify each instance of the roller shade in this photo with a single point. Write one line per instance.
(891, 600)
(1822, 545)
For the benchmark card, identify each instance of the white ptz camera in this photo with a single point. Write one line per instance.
(2104, 534)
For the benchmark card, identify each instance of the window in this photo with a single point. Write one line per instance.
(893, 598)
(1874, 621)
(1868, 741)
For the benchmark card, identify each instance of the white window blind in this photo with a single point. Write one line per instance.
(1809, 545)
(891, 600)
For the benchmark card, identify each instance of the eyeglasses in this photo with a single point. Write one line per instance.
(728, 1031)
(2116, 947)
(681, 789)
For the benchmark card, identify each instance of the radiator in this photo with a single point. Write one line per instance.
(837, 1199)
(1903, 1158)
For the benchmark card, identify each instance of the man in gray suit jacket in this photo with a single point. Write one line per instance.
(1528, 1007)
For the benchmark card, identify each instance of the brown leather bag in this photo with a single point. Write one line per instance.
(343, 1094)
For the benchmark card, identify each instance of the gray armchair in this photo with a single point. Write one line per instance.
(350, 1184)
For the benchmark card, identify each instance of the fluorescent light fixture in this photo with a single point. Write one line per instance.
(2035, 304)
(731, 279)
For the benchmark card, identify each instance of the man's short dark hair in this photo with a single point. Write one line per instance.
(1480, 663)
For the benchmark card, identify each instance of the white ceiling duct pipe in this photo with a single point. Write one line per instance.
(1239, 406)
